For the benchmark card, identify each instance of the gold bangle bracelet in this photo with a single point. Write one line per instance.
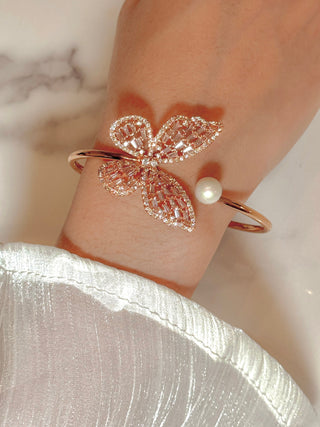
(264, 225)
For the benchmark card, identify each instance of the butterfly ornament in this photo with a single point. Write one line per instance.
(179, 138)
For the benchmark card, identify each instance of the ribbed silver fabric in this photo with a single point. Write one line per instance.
(84, 344)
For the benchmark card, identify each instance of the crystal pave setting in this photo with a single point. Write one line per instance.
(179, 138)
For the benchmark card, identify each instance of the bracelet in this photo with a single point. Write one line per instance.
(138, 167)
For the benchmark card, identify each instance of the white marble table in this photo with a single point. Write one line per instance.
(54, 58)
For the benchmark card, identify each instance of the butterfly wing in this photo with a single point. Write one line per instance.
(131, 134)
(120, 177)
(164, 198)
(181, 137)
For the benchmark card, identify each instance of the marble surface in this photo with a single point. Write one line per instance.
(54, 58)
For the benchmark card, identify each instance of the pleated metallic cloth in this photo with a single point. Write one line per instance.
(84, 344)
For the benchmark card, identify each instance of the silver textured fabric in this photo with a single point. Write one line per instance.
(85, 344)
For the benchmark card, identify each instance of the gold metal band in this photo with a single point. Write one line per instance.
(98, 154)
(264, 224)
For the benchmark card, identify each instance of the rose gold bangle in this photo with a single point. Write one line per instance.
(138, 167)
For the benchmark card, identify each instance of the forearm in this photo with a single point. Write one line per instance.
(118, 232)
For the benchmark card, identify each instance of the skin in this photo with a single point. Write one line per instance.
(253, 64)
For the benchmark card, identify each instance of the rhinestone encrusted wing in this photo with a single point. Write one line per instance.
(120, 177)
(182, 137)
(132, 134)
(179, 138)
(165, 199)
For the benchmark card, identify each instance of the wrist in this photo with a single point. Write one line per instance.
(116, 230)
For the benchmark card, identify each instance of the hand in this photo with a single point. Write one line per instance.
(253, 64)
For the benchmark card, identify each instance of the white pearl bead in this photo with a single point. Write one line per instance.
(208, 190)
